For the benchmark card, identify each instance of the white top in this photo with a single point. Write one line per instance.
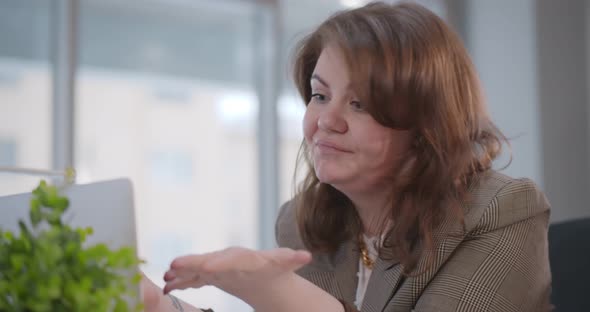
(364, 273)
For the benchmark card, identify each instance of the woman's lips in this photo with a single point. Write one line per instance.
(330, 147)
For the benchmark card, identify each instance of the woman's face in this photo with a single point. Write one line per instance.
(349, 149)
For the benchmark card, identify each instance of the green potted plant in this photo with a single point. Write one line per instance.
(47, 267)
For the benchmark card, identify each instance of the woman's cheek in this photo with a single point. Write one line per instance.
(309, 125)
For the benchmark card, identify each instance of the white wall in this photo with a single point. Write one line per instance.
(532, 60)
(502, 43)
(561, 36)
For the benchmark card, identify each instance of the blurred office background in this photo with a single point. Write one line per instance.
(192, 100)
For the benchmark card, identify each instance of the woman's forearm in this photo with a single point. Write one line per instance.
(291, 294)
(294, 294)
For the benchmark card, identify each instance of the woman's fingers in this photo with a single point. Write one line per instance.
(238, 259)
(230, 259)
(193, 261)
(189, 271)
(194, 281)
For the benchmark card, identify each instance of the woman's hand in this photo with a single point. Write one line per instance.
(264, 279)
(234, 270)
(244, 273)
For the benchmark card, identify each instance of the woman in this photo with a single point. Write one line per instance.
(401, 210)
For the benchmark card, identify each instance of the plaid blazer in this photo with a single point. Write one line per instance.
(499, 263)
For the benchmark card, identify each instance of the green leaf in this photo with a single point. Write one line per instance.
(121, 306)
(54, 287)
(24, 230)
(54, 217)
(136, 278)
(7, 235)
(35, 213)
(17, 261)
(139, 308)
(59, 203)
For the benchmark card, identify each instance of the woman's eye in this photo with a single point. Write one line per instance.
(318, 96)
(357, 106)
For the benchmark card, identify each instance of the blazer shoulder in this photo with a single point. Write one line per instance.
(286, 231)
(497, 200)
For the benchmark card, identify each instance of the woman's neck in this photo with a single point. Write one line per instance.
(372, 209)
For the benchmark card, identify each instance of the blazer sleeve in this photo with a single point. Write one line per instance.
(503, 263)
(286, 231)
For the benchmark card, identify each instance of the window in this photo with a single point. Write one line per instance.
(166, 96)
(25, 91)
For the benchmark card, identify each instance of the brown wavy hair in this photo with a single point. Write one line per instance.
(413, 72)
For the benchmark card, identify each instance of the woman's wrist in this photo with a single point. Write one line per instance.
(170, 303)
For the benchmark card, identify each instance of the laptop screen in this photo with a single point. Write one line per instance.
(105, 206)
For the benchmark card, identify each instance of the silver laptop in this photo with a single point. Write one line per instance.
(105, 206)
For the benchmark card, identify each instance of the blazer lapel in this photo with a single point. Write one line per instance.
(385, 279)
(346, 262)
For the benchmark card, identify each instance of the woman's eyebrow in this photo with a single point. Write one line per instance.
(318, 78)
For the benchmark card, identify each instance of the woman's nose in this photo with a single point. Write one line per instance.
(331, 119)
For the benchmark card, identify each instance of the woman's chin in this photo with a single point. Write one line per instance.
(331, 179)
(324, 178)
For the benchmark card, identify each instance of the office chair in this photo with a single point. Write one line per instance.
(569, 256)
